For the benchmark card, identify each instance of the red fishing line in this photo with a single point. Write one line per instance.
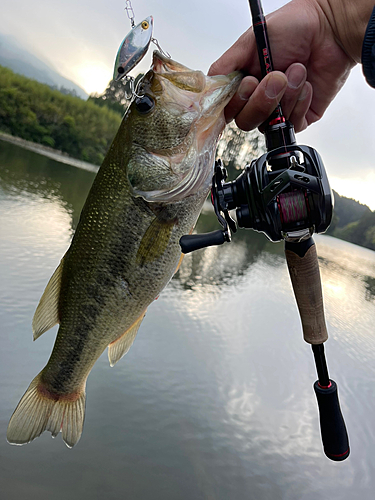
(292, 206)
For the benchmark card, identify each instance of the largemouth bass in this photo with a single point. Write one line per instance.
(148, 192)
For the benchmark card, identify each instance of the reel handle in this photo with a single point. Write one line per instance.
(191, 242)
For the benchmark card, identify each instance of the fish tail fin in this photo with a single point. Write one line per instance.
(40, 410)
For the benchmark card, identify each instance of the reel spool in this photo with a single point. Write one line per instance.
(293, 207)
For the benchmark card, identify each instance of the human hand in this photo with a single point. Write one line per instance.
(311, 68)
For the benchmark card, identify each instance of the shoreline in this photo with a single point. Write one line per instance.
(54, 154)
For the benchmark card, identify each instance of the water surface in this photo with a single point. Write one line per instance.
(214, 400)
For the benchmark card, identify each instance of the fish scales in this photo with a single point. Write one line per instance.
(147, 194)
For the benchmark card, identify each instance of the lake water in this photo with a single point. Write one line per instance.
(214, 400)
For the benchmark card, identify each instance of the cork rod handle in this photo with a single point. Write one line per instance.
(304, 273)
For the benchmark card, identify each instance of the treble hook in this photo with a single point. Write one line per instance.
(133, 89)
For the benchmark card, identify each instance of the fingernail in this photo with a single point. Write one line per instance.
(296, 76)
(275, 85)
(303, 93)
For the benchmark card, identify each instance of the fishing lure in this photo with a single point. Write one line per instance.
(133, 48)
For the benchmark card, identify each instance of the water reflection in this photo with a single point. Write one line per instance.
(215, 399)
(347, 270)
(23, 171)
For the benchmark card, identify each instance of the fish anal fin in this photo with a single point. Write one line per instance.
(154, 241)
(118, 348)
(47, 312)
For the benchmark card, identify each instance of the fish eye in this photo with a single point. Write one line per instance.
(120, 70)
(144, 104)
(145, 25)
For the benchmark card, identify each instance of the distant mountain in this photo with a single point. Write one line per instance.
(348, 210)
(18, 59)
(353, 222)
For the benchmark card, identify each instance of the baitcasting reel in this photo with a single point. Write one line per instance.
(285, 194)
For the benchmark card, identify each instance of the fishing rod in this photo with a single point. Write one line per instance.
(286, 195)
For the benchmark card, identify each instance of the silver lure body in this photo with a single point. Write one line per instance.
(133, 48)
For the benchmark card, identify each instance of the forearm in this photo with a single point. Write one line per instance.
(348, 20)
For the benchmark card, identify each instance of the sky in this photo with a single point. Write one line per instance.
(80, 40)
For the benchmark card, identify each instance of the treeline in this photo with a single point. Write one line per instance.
(35, 112)
(353, 222)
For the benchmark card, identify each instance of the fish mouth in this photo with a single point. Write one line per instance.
(208, 96)
(214, 89)
(162, 64)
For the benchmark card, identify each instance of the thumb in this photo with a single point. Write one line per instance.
(241, 56)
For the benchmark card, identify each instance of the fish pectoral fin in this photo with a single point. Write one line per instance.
(154, 241)
(118, 348)
(182, 255)
(47, 312)
(179, 262)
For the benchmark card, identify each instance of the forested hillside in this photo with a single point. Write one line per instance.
(35, 112)
(353, 222)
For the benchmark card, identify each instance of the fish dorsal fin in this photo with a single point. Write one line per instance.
(47, 312)
(118, 348)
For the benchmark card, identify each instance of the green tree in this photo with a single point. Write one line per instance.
(115, 95)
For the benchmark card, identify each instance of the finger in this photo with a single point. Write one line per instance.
(263, 101)
(326, 81)
(299, 114)
(312, 116)
(241, 97)
(296, 74)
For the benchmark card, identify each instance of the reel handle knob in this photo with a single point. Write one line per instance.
(191, 242)
(332, 426)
